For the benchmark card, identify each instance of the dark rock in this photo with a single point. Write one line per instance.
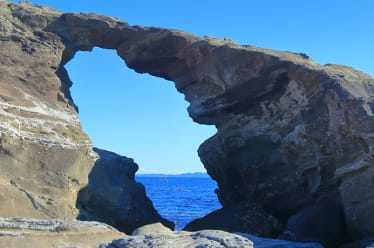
(246, 218)
(362, 243)
(320, 223)
(114, 197)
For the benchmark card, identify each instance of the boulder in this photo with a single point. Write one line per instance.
(246, 218)
(206, 238)
(26, 232)
(151, 229)
(114, 197)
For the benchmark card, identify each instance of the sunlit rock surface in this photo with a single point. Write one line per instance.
(44, 155)
(290, 132)
(25, 232)
(45, 158)
(205, 238)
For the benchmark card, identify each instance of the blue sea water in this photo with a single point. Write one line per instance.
(181, 199)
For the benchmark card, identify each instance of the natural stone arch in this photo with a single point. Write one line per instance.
(112, 195)
(290, 133)
(242, 98)
(139, 115)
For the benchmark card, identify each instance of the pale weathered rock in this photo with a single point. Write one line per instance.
(290, 132)
(112, 195)
(206, 238)
(44, 155)
(22, 232)
(151, 229)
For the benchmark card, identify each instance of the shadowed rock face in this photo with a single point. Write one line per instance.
(112, 195)
(290, 132)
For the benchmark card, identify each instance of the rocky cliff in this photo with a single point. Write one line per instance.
(45, 158)
(291, 133)
(44, 155)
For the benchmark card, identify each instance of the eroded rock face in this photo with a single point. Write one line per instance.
(44, 155)
(45, 158)
(290, 132)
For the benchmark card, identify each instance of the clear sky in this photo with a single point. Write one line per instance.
(144, 117)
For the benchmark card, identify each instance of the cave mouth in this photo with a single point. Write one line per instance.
(142, 117)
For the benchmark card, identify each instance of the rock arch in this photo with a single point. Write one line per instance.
(290, 132)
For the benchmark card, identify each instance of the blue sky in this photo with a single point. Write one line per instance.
(144, 117)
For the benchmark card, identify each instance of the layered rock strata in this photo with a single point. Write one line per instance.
(45, 157)
(290, 132)
(25, 232)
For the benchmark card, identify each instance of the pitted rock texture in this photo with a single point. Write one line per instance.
(112, 195)
(44, 155)
(290, 132)
(24, 232)
(205, 238)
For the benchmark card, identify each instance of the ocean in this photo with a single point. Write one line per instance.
(181, 199)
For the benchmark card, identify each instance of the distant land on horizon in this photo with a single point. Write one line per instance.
(190, 174)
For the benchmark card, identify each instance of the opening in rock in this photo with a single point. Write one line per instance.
(144, 118)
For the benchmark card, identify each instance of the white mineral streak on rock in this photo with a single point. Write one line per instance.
(50, 121)
(25, 232)
(52, 225)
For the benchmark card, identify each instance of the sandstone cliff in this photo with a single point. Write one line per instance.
(291, 133)
(45, 158)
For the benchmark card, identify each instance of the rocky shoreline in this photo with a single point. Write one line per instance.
(21, 232)
(292, 156)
